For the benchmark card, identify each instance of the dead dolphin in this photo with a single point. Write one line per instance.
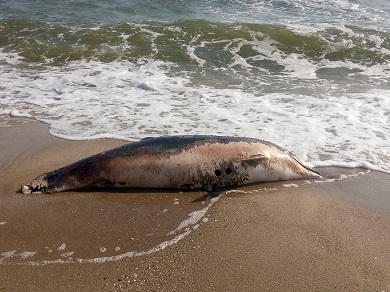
(192, 162)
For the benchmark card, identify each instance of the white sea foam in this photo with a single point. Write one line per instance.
(292, 185)
(304, 12)
(62, 247)
(91, 99)
(27, 254)
(194, 217)
(67, 254)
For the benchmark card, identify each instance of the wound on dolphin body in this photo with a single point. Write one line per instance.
(218, 172)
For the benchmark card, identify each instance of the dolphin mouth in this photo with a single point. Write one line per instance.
(29, 189)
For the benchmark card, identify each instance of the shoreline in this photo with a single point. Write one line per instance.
(330, 235)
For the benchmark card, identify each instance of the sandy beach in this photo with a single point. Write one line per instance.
(327, 235)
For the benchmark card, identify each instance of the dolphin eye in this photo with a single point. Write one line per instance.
(218, 172)
(228, 171)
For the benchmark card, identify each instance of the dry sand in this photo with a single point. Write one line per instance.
(287, 236)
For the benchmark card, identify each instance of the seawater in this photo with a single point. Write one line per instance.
(311, 76)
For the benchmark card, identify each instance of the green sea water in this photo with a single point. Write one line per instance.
(309, 75)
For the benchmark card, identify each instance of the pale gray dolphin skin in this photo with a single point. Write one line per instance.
(192, 162)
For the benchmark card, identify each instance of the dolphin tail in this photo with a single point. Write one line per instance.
(311, 172)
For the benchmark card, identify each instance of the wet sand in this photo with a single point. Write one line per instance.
(331, 235)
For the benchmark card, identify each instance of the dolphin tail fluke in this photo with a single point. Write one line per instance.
(310, 171)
